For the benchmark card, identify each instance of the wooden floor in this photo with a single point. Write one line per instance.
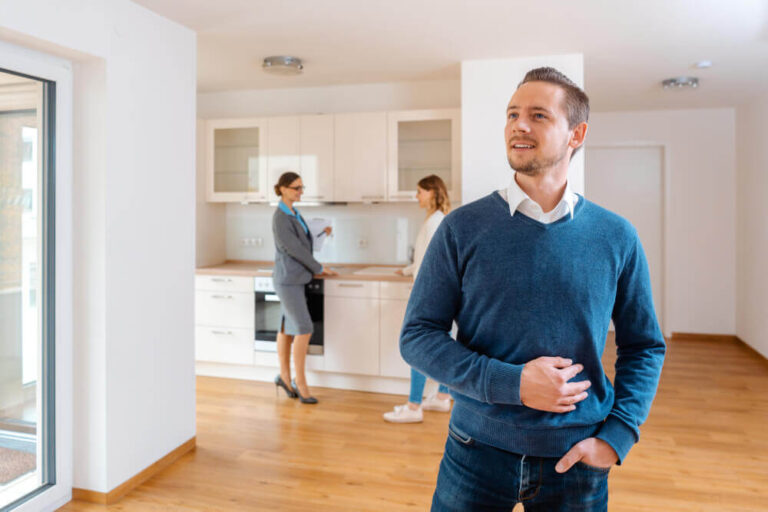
(704, 447)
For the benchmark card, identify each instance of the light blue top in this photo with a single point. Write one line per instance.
(519, 289)
(287, 210)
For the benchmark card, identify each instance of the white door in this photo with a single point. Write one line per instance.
(629, 181)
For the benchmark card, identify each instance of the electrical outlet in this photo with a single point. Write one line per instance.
(243, 242)
(362, 243)
(258, 241)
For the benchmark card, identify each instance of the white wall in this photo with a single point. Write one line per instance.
(210, 237)
(386, 232)
(486, 88)
(330, 99)
(700, 255)
(751, 229)
(134, 352)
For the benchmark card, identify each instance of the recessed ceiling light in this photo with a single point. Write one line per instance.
(282, 65)
(681, 82)
(703, 64)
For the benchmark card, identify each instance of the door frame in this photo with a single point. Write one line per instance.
(666, 182)
(48, 67)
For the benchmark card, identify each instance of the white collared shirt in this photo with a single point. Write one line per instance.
(520, 201)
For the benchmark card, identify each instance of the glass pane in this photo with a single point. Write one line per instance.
(236, 164)
(21, 308)
(424, 148)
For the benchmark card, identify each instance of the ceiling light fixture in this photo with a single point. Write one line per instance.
(703, 64)
(282, 65)
(681, 82)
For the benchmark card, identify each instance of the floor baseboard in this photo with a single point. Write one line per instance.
(703, 337)
(113, 496)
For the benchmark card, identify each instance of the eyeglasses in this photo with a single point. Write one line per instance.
(300, 188)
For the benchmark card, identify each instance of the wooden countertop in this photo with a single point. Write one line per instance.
(263, 269)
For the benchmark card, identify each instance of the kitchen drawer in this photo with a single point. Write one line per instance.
(225, 309)
(395, 290)
(224, 283)
(344, 288)
(224, 345)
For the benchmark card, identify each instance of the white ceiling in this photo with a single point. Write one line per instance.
(628, 46)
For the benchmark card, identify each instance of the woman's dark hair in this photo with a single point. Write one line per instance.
(285, 180)
(440, 200)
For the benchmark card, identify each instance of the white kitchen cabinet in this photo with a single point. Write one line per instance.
(284, 150)
(420, 143)
(360, 156)
(391, 364)
(352, 327)
(224, 345)
(217, 283)
(394, 299)
(317, 157)
(225, 309)
(236, 160)
(224, 319)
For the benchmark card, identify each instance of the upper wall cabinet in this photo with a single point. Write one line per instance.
(283, 149)
(304, 145)
(423, 142)
(317, 168)
(356, 157)
(237, 160)
(360, 157)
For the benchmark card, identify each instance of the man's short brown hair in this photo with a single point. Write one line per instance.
(576, 100)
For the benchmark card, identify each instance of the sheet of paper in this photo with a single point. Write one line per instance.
(316, 229)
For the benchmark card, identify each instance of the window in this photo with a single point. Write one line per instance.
(27, 379)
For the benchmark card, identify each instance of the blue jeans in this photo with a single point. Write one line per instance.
(418, 381)
(475, 476)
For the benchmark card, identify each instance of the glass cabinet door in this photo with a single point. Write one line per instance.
(422, 143)
(237, 161)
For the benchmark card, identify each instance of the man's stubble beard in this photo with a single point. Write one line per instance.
(535, 167)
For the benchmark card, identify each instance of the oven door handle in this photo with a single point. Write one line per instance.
(271, 298)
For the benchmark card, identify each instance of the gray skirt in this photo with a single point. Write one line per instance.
(293, 308)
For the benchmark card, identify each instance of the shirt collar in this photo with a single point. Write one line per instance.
(287, 210)
(516, 195)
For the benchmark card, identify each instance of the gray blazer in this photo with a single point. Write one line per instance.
(294, 263)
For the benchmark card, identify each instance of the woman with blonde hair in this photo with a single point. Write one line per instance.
(433, 197)
(294, 267)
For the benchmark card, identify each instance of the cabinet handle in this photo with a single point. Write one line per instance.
(222, 297)
(342, 285)
(221, 280)
(224, 333)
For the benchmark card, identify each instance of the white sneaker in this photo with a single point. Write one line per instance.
(404, 414)
(432, 403)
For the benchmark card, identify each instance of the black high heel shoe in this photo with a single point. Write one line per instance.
(302, 399)
(280, 383)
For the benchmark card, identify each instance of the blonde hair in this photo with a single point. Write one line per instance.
(440, 200)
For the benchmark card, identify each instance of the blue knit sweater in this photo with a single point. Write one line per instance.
(519, 289)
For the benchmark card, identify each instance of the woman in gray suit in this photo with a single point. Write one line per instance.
(294, 268)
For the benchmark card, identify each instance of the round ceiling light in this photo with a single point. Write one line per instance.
(681, 82)
(283, 65)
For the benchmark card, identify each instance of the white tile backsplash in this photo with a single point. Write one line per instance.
(362, 233)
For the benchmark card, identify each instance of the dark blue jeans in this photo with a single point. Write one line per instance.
(475, 476)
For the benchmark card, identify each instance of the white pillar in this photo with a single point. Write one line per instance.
(486, 87)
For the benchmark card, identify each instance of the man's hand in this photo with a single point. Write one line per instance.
(544, 384)
(591, 451)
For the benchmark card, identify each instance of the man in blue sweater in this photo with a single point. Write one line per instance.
(532, 275)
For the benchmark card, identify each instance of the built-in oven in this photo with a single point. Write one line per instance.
(268, 317)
